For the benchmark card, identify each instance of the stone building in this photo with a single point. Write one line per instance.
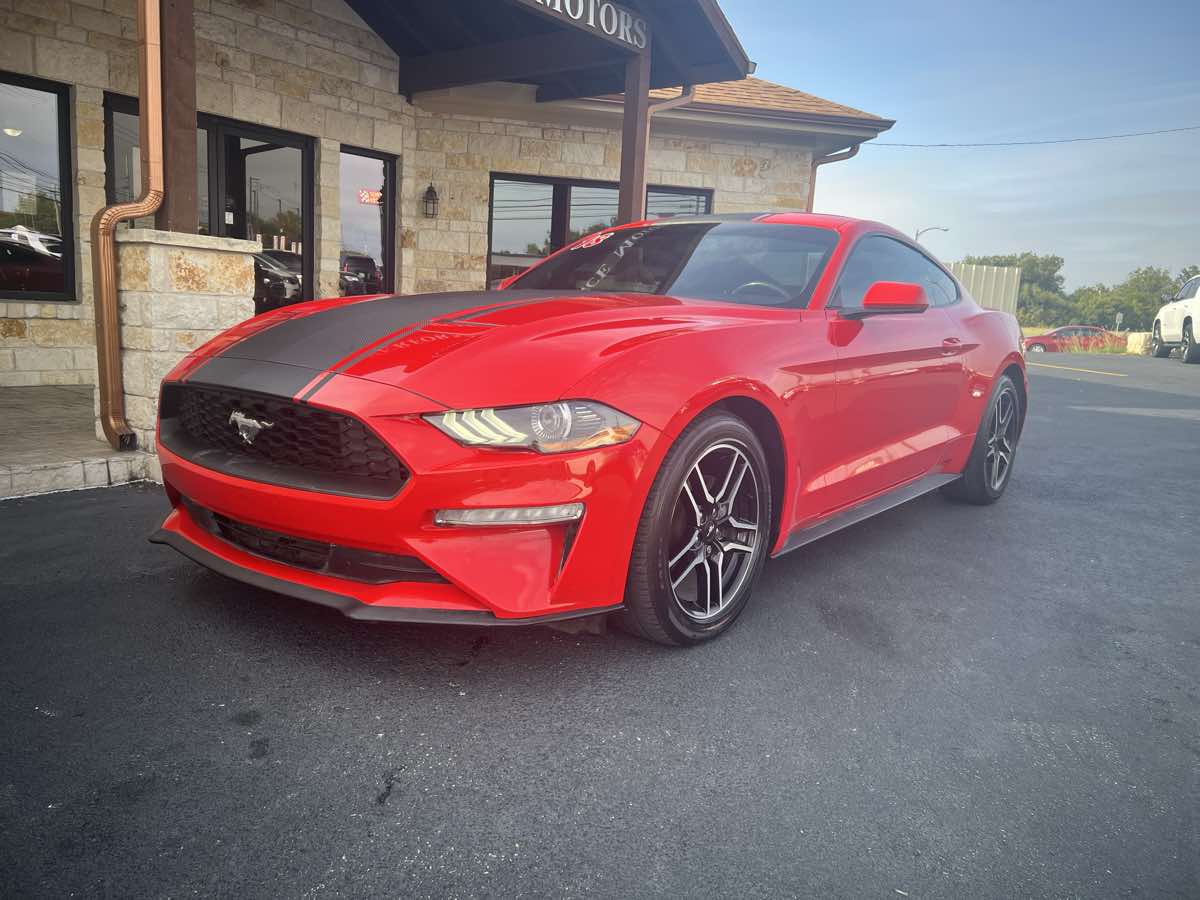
(320, 147)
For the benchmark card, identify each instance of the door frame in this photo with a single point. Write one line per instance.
(388, 239)
(219, 128)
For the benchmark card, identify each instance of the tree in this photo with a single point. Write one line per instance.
(1041, 300)
(1141, 294)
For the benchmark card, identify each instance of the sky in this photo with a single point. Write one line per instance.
(972, 72)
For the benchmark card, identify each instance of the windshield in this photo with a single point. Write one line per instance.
(293, 262)
(274, 265)
(736, 262)
(361, 265)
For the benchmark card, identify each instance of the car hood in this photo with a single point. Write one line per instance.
(457, 349)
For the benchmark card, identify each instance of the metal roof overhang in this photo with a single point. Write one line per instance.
(451, 43)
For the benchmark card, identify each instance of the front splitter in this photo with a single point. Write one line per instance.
(352, 607)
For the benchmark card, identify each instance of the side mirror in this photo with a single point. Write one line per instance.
(891, 298)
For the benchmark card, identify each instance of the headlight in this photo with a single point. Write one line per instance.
(546, 427)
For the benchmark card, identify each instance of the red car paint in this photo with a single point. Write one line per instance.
(857, 406)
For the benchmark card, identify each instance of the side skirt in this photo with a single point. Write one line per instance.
(866, 509)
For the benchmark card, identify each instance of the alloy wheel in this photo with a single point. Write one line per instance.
(1002, 439)
(1156, 341)
(715, 535)
(1037, 348)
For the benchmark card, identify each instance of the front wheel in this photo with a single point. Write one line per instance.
(703, 535)
(989, 466)
(1037, 348)
(1188, 351)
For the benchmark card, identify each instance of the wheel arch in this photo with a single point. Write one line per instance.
(763, 423)
(1016, 372)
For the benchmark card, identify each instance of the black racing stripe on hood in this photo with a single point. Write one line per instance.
(296, 349)
(252, 375)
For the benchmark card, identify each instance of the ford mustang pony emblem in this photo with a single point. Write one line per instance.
(247, 427)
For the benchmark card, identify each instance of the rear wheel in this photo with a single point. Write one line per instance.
(1157, 348)
(989, 466)
(703, 536)
(1037, 348)
(1188, 351)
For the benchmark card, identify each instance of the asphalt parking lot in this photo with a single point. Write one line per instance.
(945, 701)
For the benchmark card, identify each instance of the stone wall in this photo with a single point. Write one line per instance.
(309, 66)
(458, 153)
(46, 343)
(91, 45)
(177, 292)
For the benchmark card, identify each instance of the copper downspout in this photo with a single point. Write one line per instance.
(822, 160)
(110, 379)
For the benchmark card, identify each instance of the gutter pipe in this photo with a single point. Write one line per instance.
(109, 377)
(822, 160)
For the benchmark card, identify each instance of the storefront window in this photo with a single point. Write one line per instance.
(368, 225)
(36, 239)
(123, 165)
(522, 220)
(533, 217)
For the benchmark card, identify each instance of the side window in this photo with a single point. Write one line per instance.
(1190, 289)
(878, 258)
(939, 287)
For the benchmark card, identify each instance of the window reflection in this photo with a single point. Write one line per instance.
(533, 218)
(592, 208)
(521, 218)
(34, 257)
(363, 204)
(122, 160)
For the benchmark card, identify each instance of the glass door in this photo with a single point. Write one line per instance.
(262, 181)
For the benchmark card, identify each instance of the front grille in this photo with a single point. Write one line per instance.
(368, 566)
(298, 446)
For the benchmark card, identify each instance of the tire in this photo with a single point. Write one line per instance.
(979, 483)
(1158, 349)
(1037, 348)
(670, 589)
(1188, 351)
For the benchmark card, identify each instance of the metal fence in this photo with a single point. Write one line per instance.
(993, 287)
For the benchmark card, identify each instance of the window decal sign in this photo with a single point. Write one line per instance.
(370, 197)
(593, 240)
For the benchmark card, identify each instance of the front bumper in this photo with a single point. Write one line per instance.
(492, 575)
(352, 607)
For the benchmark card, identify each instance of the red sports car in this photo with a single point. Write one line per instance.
(1072, 337)
(633, 425)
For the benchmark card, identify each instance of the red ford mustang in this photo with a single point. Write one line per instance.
(634, 425)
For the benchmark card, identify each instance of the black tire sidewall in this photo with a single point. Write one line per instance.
(714, 428)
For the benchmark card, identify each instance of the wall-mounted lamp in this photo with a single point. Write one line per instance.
(13, 132)
(430, 202)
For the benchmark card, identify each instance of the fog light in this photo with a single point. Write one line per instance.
(511, 515)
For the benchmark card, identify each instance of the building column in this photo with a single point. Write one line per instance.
(635, 139)
(179, 209)
(328, 231)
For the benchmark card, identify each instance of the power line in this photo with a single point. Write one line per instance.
(1077, 140)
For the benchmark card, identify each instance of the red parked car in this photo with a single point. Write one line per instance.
(1072, 337)
(633, 425)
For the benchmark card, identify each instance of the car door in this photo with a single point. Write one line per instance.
(1177, 311)
(1170, 317)
(900, 378)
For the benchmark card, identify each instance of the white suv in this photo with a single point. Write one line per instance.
(1174, 324)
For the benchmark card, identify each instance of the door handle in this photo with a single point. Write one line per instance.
(950, 346)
